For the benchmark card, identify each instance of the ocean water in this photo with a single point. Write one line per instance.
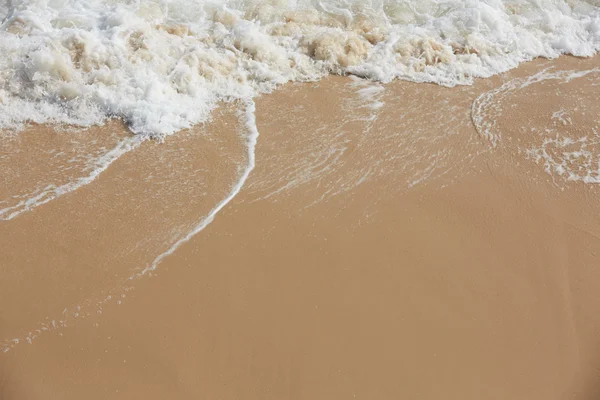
(163, 66)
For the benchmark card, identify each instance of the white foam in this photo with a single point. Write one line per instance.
(163, 65)
(51, 192)
(565, 141)
(488, 105)
(251, 138)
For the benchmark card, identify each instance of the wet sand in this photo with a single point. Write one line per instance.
(382, 248)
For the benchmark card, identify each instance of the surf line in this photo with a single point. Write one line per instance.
(252, 139)
(51, 192)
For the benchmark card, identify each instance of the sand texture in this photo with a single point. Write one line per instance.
(398, 241)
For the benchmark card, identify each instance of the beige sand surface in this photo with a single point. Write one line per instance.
(376, 252)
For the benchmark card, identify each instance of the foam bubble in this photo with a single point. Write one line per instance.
(164, 65)
(562, 133)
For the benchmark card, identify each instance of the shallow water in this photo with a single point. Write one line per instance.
(558, 121)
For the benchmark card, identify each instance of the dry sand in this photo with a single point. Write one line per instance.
(376, 252)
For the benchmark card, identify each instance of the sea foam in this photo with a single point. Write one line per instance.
(163, 66)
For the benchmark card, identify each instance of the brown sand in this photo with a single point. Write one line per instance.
(395, 257)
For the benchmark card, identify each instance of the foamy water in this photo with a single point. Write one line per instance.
(163, 65)
(558, 121)
(47, 189)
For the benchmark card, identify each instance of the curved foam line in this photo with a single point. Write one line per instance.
(252, 140)
(51, 192)
(484, 127)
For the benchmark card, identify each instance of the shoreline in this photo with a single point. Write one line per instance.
(381, 248)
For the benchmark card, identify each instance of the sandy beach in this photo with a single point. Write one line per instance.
(394, 241)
